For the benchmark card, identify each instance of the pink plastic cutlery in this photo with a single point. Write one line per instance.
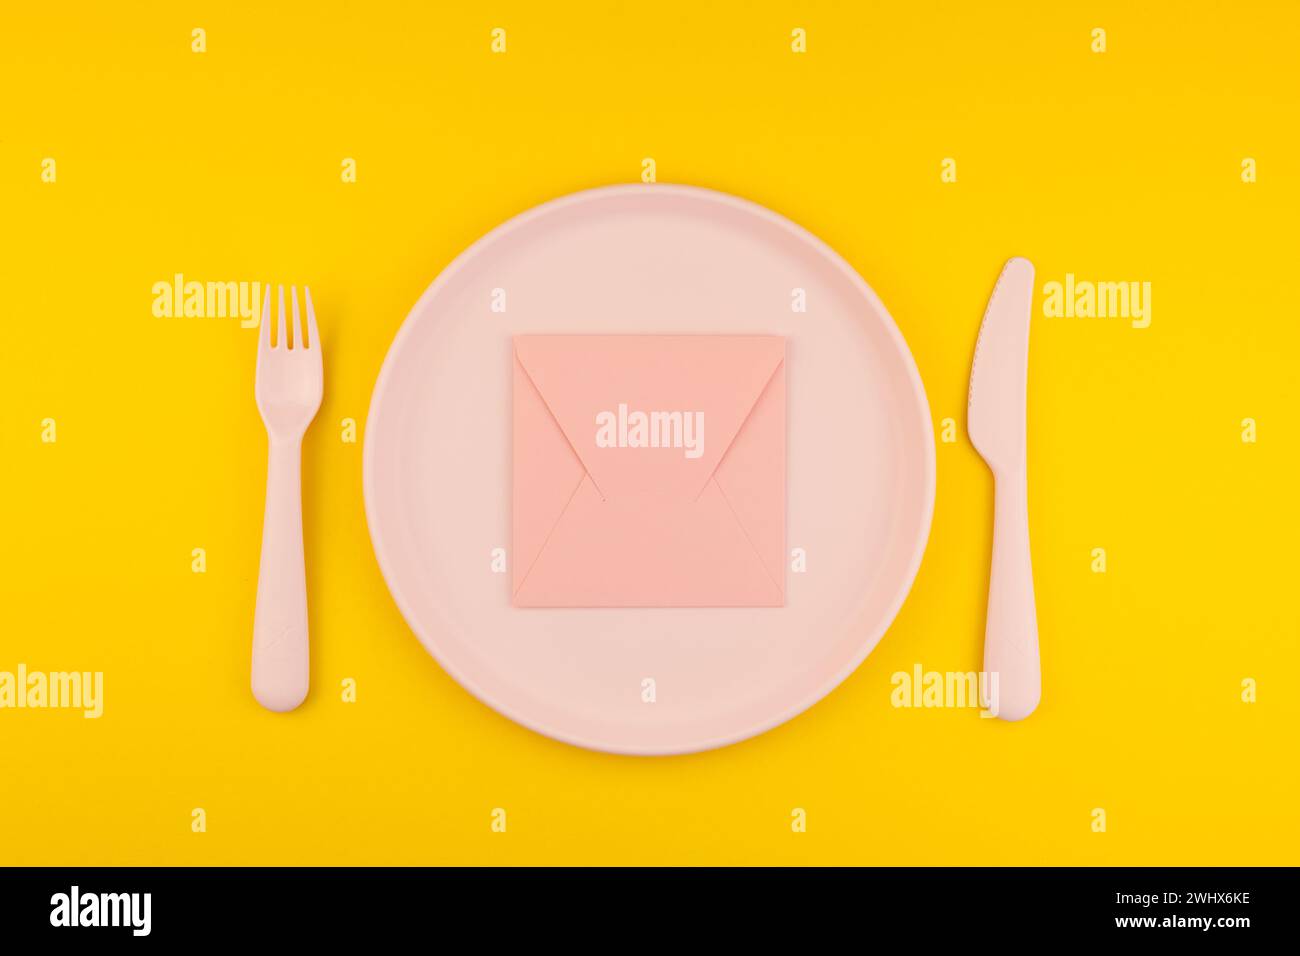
(288, 389)
(995, 420)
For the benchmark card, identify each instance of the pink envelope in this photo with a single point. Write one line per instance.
(649, 471)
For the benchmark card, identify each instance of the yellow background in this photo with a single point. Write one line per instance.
(225, 165)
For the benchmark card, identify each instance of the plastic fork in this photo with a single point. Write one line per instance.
(288, 389)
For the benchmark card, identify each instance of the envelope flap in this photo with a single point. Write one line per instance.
(650, 415)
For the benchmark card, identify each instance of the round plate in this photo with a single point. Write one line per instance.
(649, 259)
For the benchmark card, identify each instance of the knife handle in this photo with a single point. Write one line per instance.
(1011, 629)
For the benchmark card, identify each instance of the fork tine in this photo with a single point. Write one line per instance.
(297, 322)
(314, 336)
(264, 333)
(281, 339)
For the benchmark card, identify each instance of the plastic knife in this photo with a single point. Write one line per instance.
(995, 420)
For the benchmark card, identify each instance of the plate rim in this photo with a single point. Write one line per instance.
(519, 221)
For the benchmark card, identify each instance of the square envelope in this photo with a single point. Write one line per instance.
(649, 471)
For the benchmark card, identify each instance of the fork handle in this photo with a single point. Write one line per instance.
(1011, 629)
(280, 653)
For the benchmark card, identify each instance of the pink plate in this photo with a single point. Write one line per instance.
(649, 260)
